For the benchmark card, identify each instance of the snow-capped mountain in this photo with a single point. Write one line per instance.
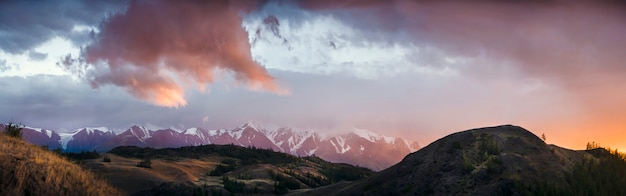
(85, 138)
(357, 147)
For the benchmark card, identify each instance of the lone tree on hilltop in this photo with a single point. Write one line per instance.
(14, 130)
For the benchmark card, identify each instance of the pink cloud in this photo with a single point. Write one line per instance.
(158, 48)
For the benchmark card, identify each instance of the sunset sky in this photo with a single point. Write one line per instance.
(409, 68)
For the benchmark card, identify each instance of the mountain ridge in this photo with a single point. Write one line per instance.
(358, 147)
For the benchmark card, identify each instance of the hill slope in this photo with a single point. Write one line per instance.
(214, 168)
(26, 169)
(502, 160)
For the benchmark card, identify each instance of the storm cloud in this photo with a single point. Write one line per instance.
(27, 24)
(558, 38)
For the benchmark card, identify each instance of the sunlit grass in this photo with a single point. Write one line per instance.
(26, 169)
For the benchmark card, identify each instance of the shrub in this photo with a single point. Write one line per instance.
(78, 156)
(280, 188)
(146, 163)
(232, 186)
(488, 145)
(229, 161)
(106, 158)
(468, 164)
(222, 169)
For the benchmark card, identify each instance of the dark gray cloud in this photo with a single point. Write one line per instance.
(558, 39)
(27, 24)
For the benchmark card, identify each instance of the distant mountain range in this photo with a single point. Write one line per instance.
(357, 147)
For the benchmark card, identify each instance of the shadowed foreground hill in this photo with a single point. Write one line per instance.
(502, 160)
(26, 169)
(218, 169)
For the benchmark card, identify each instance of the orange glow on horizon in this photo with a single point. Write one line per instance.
(575, 136)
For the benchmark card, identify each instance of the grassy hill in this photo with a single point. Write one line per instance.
(502, 160)
(26, 169)
(218, 169)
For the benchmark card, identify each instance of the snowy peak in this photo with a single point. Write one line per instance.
(94, 131)
(373, 137)
(97, 129)
(292, 141)
(250, 127)
(85, 139)
(413, 145)
(66, 137)
(339, 142)
(191, 131)
(141, 132)
(49, 133)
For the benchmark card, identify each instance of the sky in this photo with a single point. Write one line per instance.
(416, 69)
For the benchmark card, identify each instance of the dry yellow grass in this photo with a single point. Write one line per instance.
(123, 173)
(26, 169)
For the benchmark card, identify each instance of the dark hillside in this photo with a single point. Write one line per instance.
(502, 160)
(604, 174)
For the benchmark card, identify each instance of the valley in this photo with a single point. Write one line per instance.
(207, 168)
